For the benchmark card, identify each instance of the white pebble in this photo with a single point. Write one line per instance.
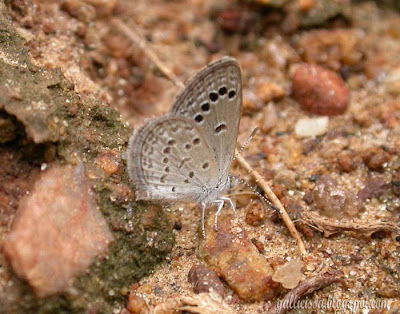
(309, 127)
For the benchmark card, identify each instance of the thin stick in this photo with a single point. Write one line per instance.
(143, 45)
(275, 200)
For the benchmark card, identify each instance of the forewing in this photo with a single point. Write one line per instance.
(213, 101)
(169, 159)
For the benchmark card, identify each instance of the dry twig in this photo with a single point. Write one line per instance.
(136, 38)
(275, 200)
(330, 227)
(144, 46)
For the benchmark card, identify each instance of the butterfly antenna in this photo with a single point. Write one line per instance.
(244, 182)
(245, 144)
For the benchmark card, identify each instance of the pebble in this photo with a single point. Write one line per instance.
(233, 255)
(311, 127)
(58, 231)
(255, 214)
(289, 274)
(269, 118)
(205, 280)
(334, 201)
(374, 188)
(136, 304)
(109, 161)
(269, 91)
(319, 91)
(375, 158)
(104, 8)
(79, 9)
(346, 162)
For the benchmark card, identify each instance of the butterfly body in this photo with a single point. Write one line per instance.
(186, 154)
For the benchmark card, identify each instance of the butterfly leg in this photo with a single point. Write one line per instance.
(231, 203)
(203, 213)
(220, 206)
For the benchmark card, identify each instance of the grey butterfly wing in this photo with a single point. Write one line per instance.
(213, 101)
(169, 159)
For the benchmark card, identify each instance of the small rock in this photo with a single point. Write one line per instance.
(57, 232)
(392, 82)
(306, 230)
(259, 245)
(255, 214)
(104, 8)
(320, 91)
(375, 158)
(237, 21)
(79, 9)
(205, 280)
(118, 46)
(136, 304)
(309, 127)
(289, 274)
(237, 260)
(269, 118)
(346, 162)
(269, 91)
(109, 161)
(333, 201)
(356, 257)
(335, 48)
(374, 188)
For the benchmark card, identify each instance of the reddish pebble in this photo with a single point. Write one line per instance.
(205, 279)
(255, 214)
(109, 162)
(136, 304)
(375, 158)
(319, 90)
(58, 231)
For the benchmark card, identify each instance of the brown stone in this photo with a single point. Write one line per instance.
(334, 48)
(269, 91)
(109, 161)
(374, 188)
(136, 304)
(320, 91)
(79, 9)
(346, 162)
(375, 158)
(57, 232)
(332, 200)
(232, 254)
(255, 214)
(205, 280)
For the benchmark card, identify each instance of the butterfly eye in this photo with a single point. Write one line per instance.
(196, 141)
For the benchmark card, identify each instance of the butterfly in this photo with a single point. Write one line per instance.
(186, 154)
